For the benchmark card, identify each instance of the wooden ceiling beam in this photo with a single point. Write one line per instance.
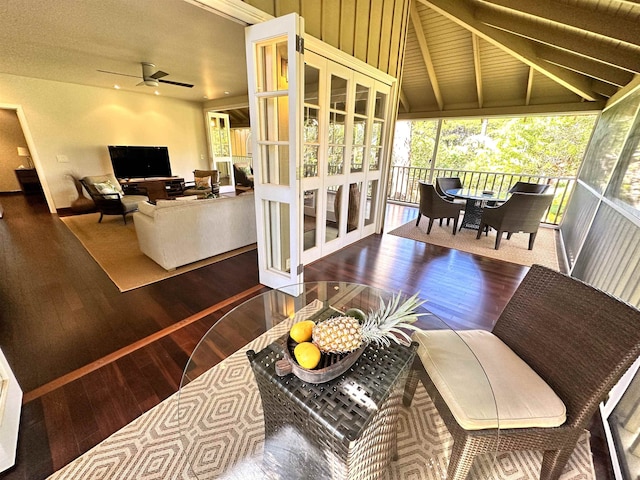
(593, 21)
(586, 66)
(405, 101)
(462, 14)
(478, 68)
(507, 111)
(604, 89)
(529, 86)
(627, 58)
(426, 56)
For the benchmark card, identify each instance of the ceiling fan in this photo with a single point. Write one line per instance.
(150, 76)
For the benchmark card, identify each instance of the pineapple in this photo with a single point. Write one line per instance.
(344, 334)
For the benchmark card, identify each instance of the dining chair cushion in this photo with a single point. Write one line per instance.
(522, 398)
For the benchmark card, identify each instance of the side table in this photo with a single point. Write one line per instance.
(348, 424)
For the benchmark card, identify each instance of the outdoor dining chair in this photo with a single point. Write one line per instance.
(570, 337)
(434, 206)
(448, 183)
(527, 187)
(522, 212)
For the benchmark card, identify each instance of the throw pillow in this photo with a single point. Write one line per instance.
(202, 183)
(106, 188)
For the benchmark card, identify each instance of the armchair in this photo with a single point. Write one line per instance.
(521, 213)
(577, 339)
(205, 182)
(434, 206)
(448, 183)
(243, 175)
(108, 196)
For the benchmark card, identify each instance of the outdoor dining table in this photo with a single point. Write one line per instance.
(241, 418)
(477, 199)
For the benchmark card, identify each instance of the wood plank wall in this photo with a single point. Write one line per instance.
(373, 31)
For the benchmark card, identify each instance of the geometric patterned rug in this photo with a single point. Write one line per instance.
(151, 447)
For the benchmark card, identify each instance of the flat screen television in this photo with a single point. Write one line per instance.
(139, 162)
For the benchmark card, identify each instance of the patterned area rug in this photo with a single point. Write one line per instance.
(514, 250)
(152, 447)
(114, 246)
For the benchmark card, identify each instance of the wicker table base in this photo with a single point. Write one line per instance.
(346, 428)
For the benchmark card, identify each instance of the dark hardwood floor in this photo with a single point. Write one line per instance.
(91, 359)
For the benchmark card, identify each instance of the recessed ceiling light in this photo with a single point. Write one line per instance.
(157, 92)
(117, 87)
(205, 97)
(227, 93)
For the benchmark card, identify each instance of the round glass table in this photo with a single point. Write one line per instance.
(477, 199)
(239, 419)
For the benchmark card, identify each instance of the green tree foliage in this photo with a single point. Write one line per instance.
(551, 146)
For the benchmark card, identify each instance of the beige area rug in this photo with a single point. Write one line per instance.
(514, 250)
(115, 247)
(222, 408)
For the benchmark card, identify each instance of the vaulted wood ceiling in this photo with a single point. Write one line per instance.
(482, 57)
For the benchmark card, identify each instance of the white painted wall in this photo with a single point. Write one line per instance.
(78, 122)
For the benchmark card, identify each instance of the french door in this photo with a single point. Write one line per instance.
(320, 120)
(274, 71)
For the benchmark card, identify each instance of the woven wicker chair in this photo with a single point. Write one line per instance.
(434, 206)
(212, 184)
(447, 183)
(526, 187)
(521, 213)
(578, 339)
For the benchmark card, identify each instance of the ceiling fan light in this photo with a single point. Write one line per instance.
(150, 82)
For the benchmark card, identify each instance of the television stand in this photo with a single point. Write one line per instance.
(156, 188)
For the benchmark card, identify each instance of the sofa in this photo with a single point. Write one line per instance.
(178, 232)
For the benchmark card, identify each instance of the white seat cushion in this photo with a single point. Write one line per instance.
(522, 398)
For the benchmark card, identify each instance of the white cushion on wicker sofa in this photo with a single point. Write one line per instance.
(174, 233)
(522, 398)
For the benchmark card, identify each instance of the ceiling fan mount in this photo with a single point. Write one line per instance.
(151, 77)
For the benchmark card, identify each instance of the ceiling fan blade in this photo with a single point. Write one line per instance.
(116, 73)
(179, 84)
(159, 74)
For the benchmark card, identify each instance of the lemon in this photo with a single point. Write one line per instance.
(301, 331)
(307, 355)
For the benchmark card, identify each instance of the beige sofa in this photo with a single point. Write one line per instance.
(177, 232)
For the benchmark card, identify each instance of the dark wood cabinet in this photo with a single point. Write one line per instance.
(29, 181)
(154, 188)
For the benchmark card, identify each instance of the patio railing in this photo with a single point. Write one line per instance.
(403, 185)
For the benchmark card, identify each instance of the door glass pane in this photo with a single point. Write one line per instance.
(362, 97)
(274, 119)
(337, 149)
(353, 209)
(332, 218)
(381, 102)
(311, 85)
(357, 149)
(338, 93)
(224, 171)
(371, 202)
(275, 164)
(311, 142)
(310, 219)
(272, 64)
(277, 222)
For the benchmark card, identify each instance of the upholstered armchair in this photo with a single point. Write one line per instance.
(205, 182)
(521, 213)
(434, 206)
(108, 196)
(557, 349)
(243, 175)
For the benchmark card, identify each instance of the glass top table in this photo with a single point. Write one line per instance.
(239, 419)
(477, 199)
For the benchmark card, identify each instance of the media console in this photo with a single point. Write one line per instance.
(154, 187)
